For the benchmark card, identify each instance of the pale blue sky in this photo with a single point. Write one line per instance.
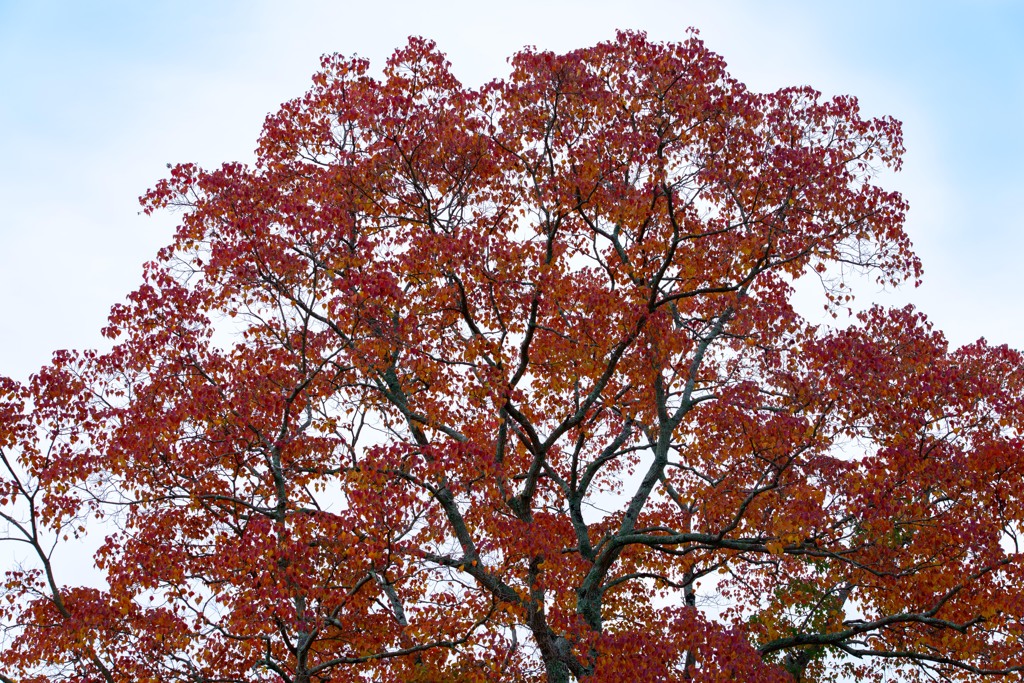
(95, 99)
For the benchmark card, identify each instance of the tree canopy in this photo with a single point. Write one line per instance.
(505, 384)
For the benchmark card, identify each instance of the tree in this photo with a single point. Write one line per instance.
(505, 384)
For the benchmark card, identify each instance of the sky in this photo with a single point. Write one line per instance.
(97, 98)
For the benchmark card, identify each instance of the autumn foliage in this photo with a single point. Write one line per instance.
(505, 384)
